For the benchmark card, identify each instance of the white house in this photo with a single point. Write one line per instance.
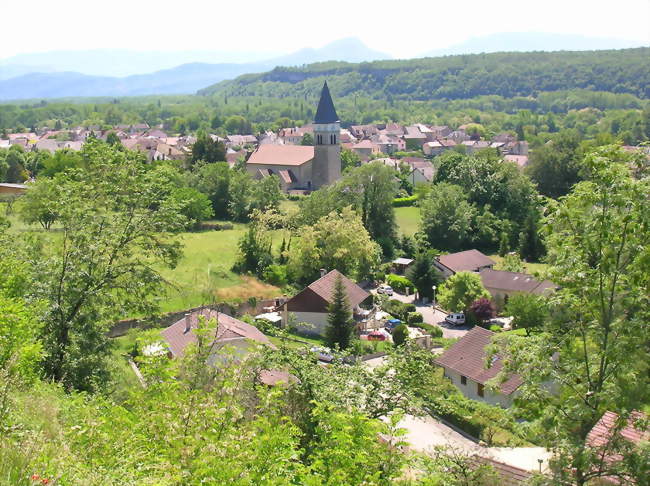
(311, 304)
(464, 365)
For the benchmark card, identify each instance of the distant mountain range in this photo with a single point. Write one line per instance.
(122, 72)
(184, 78)
(531, 41)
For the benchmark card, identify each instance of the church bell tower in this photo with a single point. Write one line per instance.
(326, 166)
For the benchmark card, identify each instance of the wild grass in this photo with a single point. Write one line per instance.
(408, 219)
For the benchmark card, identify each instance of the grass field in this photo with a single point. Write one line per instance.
(408, 219)
(532, 268)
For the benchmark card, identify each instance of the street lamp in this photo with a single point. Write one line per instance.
(433, 304)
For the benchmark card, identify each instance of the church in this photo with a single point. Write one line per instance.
(304, 168)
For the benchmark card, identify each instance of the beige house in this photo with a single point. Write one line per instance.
(464, 365)
(311, 304)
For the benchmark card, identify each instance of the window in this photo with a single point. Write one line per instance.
(463, 380)
(479, 389)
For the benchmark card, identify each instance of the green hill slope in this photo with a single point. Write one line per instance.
(456, 77)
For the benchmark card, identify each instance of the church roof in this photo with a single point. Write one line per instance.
(326, 113)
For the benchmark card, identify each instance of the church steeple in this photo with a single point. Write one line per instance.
(326, 113)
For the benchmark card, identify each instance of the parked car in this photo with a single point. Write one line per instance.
(456, 319)
(324, 354)
(376, 336)
(504, 322)
(385, 289)
(392, 324)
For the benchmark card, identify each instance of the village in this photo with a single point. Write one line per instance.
(453, 306)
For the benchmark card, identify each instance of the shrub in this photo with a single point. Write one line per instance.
(434, 331)
(275, 275)
(495, 328)
(398, 309)
(400, 333)
(399, 283)
(414, 317)
(399, 202)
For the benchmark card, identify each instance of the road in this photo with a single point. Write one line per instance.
(433, 316)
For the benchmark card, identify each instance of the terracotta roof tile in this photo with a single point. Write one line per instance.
(467, 357)
(466, 261)
(228, 328)
(514, 281)
(282, 155)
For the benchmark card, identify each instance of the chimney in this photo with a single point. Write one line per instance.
(188, 322)
(323, 272)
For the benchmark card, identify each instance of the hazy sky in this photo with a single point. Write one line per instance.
(402, 29)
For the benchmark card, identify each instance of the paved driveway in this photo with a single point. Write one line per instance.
(433, 316)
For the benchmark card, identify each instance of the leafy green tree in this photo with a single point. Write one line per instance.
(192, 204)
(459, 291)
(307, 139)
(512, 263)
(349, 159)
(529, 311)
(594, 346)
(423, 274)
(266, 193)
(15, 161)
(103, 265)
(113, 139)
(400, 334)
(213, 180)
(336, 241)
(555, 167)
(237, 124)
(239, 195)
(447, 217)
(60, 161)
(39, 204)
(207, 150)
(254, 249)
(340, 325)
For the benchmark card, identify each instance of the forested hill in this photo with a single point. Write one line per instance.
(456, 77)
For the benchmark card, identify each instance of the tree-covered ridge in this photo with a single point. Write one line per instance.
(507, 74)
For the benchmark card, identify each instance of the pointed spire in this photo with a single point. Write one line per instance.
(326, 113)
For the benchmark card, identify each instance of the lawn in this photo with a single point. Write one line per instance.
(408, 219)
(204, 274)
(531, 268)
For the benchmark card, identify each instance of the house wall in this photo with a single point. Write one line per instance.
(302, 173)
(318, 321)
(471, 391)
(12, 190)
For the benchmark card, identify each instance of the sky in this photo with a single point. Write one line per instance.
(269, 26)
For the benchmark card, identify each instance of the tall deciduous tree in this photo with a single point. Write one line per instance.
(339, 319)
(447, 217)
(460, 290)
(116, 217)
(594, 348)
(207, 150)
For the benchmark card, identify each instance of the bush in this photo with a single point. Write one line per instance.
(398, 309)
(399, 283)
(495, 328)
(216, 226)
(275, 275)
(399, 202)
(414, 317)
(400, 333)
(434, 331)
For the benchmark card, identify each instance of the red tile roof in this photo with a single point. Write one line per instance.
(316, 296)
(508, 475)
(228, 328)
(514, 281)
(467, 357)
(602, 432)
(282, 155)
(466, 261)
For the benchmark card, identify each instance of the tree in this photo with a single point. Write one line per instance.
(336, 241)
(594, 347)
(307, 139)
(213, 180)
(60, 161)
(512, 263)
(113, 139)
(400, 334)
(207, 150)
(529, 311)
(192, 204)
(555, 167)
(482, 309)
(255, 248)
(103, 266)
(39, 204)
(423, 274)
(266, 193)
(15, 161)
(340, 325)
(349, 159)
(447, 217)
(460, 290)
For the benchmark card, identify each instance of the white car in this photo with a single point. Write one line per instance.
(385, 289)
(456, 319)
